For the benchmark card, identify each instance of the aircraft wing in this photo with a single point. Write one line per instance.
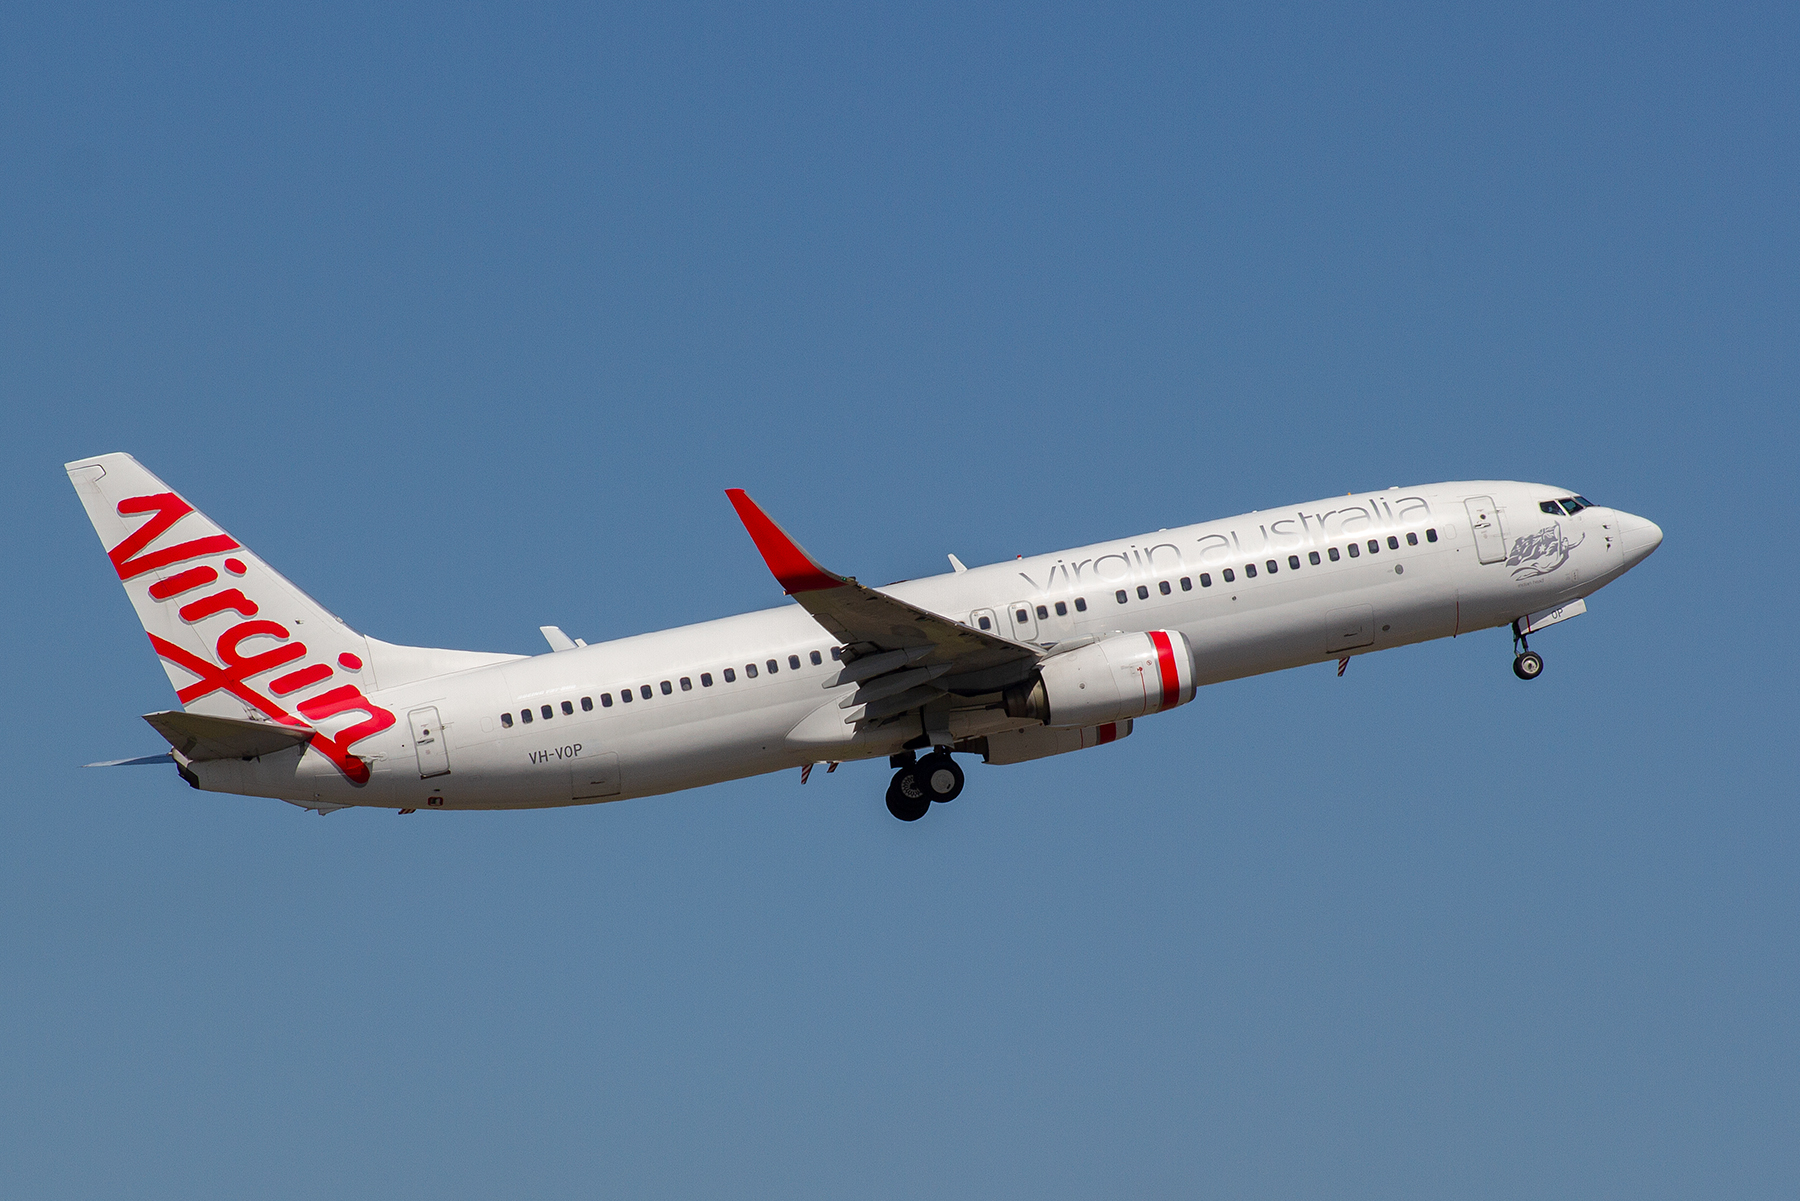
(868, 621)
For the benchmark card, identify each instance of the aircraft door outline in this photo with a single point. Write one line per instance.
(1484, 523)
(593, 777)
(1024, 625)
(428, 742)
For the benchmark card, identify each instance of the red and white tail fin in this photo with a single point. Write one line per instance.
(236, 638)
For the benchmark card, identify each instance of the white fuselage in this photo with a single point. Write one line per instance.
(697, 727)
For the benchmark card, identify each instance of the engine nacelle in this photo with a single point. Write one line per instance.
(1125, 676)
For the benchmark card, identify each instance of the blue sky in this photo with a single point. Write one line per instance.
(464, 317)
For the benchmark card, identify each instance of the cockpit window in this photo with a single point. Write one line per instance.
(1571, 506)
(1550, 507)
(1584, 502)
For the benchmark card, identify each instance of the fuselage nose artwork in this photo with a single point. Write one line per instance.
(1011, 662)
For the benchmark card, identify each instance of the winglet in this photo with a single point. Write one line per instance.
(794, 569)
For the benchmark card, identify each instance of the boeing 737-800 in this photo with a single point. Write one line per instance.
(1013, 661)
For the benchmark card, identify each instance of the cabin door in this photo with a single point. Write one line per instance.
(1484, 523)
(1024, 624)
(428, 741)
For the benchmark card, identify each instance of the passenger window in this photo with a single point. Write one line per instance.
(985, 624)
(1431, 535)
(1205, 580)
(1162, 586)
(1273, 566)
(794, 662)
(1393, 542)
(1143, 592)
(587, 704)
(1331, 552)
(1121, 595)
(1228, 576)
(1551, 507)
(1187, 585)
(706, 679)
(1249, 571)
(1412, 539)
(1062, 610)
(1354, 551)
(815, 658)
(606, 700)
(568, 708)
(773, 666)
(730, 676)
(547, 711)
(837, 653)
(1022, 616)
(667, 688)
(1294, 562)
(1042, 613)
(506, 720)
(525, 716)
(1312, 556)
(1374, 545)
(749, 671)
(1081, 604)
(625, 695)
(687, 685)
(644, 690)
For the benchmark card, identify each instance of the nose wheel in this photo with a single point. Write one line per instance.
(936, 777)
(1527, 663)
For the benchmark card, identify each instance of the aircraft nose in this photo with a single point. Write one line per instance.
(1640, 536)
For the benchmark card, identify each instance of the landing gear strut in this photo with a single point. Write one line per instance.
(1527, 663)
(917, 783)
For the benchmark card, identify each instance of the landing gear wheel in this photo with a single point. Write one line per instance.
(941, 777)
(1528, 666)
(906, 797)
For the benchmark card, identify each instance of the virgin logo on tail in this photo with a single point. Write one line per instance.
(233, 670)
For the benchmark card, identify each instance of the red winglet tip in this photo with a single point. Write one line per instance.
(793, 568)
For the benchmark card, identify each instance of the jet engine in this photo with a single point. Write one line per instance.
(1124, 676)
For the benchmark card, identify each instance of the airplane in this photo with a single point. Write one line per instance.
(1013, 661)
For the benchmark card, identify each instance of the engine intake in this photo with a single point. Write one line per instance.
(1125, 676)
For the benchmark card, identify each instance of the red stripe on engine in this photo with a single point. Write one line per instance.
(1165, 666)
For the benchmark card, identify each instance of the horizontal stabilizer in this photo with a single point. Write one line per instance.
(140, 761)
(200, 736)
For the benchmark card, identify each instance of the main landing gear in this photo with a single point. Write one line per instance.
(918, 782)
(1527, 663)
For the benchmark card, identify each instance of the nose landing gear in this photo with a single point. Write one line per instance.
(916, 784)
(1527, 663)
